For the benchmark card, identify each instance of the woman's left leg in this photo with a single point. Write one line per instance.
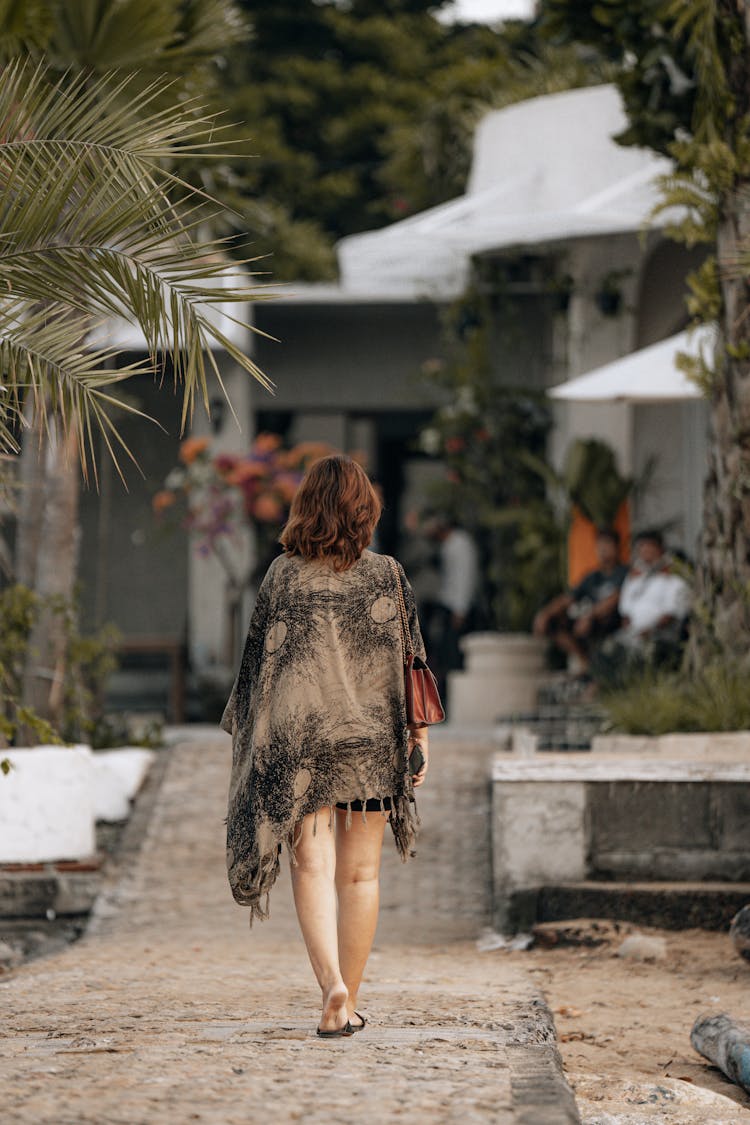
(358, 850)
(315, 899)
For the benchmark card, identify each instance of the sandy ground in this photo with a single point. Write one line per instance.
(624, 1027)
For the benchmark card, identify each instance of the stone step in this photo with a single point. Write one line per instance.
(569, 819)
(673, 906)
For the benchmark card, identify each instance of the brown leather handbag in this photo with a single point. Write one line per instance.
(423, 705)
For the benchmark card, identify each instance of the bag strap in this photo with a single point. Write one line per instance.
(406, 644)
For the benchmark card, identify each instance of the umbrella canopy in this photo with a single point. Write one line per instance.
(648, 375)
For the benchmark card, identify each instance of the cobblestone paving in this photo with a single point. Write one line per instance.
(171, 1010)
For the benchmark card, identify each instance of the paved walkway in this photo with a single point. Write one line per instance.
(171, 1010)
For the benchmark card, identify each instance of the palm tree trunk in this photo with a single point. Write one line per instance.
(30, 501)
(55, 575)
(723, 612)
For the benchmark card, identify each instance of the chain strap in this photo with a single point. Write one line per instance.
(406, 644)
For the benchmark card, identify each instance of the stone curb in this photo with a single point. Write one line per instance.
(540, 1091)
(114, 889)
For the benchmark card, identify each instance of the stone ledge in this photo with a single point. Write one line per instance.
(672, 906)
(584, 768)
(44, 890)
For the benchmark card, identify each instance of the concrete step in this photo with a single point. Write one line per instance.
(569, 819)
(673, 906)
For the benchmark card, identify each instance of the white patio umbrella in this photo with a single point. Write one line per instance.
(647, 375)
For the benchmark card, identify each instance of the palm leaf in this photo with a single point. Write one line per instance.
(89, 228)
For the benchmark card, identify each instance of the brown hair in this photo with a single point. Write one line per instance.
(333, 513)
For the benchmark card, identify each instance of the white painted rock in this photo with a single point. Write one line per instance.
(118, 775)
(643, 947)
(47, 805)
(739, 931)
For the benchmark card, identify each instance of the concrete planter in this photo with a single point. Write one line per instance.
(501, 676)
(53, 796)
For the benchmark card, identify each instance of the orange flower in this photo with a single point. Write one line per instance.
(267, 509)
(192, 447)
(162, 500)
(244, 470)
(309, 451)
(266, 443)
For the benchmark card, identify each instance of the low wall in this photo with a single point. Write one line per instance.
(571, 819)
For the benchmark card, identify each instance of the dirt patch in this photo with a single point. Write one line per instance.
(624, 1024)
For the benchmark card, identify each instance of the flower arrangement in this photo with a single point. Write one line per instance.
(218, 494)
(222, 492)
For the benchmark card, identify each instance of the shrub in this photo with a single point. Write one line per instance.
(90, 661)
(714, 699)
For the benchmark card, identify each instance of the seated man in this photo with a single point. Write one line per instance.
(654, 600)
(578, 620)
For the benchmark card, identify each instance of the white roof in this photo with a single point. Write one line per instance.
(647, 375)
(544, 171)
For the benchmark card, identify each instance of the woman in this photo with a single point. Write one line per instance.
(318, 724)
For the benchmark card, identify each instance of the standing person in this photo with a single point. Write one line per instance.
(319, 732)
(459, 579)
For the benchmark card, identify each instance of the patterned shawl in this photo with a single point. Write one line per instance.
(317, 713)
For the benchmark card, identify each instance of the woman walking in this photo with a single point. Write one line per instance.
(320, 738)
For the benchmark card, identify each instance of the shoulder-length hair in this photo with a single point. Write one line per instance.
(333, 513)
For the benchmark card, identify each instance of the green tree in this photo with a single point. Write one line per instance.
(684, 72)
(363, 113)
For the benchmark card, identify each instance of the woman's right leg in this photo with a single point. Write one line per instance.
(358, 851)
(313, 883)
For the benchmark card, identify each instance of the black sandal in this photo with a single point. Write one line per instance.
(337, 1032)
(358, 1026)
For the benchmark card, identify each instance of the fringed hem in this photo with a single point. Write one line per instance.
(405, 823)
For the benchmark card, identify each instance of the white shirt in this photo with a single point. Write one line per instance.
(651, 594)
(458, 572)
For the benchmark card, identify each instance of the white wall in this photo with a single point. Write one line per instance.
(594, 339)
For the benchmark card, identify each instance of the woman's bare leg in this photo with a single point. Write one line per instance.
(315, 899)
(358, 851)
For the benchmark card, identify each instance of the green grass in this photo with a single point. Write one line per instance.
(716, 699)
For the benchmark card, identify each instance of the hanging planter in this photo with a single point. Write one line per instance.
(608, 297)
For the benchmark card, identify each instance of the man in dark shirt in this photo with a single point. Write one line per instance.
(577, 620)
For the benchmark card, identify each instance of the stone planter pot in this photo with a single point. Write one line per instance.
(502, 675)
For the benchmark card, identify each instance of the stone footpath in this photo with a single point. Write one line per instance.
(171, 1010)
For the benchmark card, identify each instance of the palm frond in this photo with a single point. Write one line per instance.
(37, 364)
(90, 229)
(139, 35)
